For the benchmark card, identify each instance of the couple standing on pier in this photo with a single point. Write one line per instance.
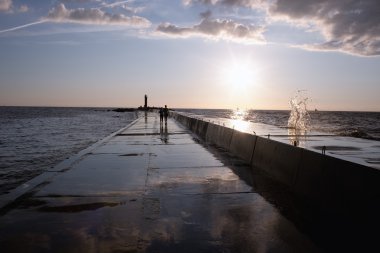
(164, 113)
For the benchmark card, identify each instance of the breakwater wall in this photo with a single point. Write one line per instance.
(321, 180)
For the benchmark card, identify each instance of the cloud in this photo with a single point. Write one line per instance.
(23, 8)
(93, 16)
(216, 29)
(236, 3)
(22, 26)
(5, 5)
(114, 4)
(348, 26)
(132, 9)
(360, 48)
(79, 1)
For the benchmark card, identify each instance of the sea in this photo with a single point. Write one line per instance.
(34, 139)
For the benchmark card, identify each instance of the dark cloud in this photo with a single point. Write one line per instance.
(206, 14)
(93, 16)
(216, 29)
(246, 3)
(348, 25)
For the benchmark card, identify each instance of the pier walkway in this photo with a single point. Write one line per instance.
(149, 188)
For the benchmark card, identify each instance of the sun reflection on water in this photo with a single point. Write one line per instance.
(238, 120)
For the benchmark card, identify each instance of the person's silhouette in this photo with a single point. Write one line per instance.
(166, 114)
(161, 112)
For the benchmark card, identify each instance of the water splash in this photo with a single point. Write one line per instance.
(299, 119)
(299, 116)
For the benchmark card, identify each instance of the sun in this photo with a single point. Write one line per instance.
(239, 76)
(239, 80)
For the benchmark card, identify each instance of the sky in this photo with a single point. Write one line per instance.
(248, 54)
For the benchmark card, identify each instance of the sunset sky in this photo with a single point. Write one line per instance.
(252, 54)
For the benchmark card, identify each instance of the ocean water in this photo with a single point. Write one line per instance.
(364, 125)
(34, 139)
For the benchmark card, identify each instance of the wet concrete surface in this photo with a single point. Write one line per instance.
(155, 188)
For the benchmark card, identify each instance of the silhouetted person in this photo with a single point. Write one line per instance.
(166, 114)
(161, 112)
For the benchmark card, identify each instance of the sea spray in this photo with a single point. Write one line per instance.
(299, 119)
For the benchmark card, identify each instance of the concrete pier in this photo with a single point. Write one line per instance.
(158, 188)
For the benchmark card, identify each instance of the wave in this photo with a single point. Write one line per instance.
(356, 133)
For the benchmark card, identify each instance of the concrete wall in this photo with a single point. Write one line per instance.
(279, 160)
(335, 183)
(202, 128)
(324, 181)
(243, 145)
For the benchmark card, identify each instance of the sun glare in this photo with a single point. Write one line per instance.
(239, 81)
(239, 76)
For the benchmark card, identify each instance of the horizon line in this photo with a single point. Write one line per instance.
(184, 108)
